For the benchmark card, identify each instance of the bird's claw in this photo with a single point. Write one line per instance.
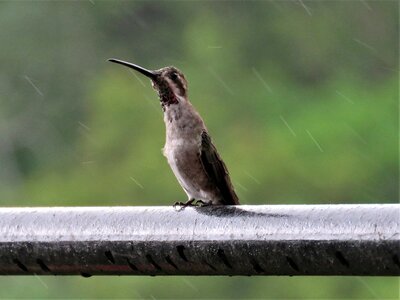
(184, 204)
(202, 203)
(180, 203)
(192, 202)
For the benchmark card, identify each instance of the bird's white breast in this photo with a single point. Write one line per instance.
(176, 150)
(182, 147)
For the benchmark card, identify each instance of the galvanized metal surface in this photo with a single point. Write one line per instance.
(231, 240)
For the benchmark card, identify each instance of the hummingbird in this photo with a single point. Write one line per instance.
(190, 153)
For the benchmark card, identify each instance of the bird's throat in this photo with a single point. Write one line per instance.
(167, 96)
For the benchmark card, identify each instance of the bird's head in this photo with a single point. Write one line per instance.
(169, 82)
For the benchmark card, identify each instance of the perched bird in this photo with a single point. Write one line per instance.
(190, 153)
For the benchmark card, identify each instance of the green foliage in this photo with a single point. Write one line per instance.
(303, 108)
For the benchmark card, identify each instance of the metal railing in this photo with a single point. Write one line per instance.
(230, 240)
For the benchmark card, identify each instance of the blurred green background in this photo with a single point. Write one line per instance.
(300, 97)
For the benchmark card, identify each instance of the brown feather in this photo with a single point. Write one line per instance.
(217, 171)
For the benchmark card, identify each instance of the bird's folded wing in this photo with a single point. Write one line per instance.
(216, 170)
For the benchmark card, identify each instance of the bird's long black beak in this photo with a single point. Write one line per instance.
(150, 74)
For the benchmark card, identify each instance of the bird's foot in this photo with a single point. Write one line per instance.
(202, 203)
(184, 204)
(192, 202)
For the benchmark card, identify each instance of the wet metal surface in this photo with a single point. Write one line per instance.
(242, 240)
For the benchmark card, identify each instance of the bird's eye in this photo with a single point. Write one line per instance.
(173, 76)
